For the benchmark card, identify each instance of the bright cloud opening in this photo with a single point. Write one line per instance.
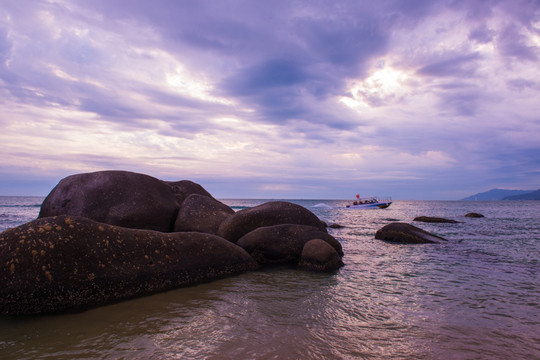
(384, 86)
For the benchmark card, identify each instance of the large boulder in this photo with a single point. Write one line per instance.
(202, 214)
(433, 219)
(283, 244)
(403, 233)
(69, 263)
(318, 255)
(119, 198)
(267, 214)
(183, 188)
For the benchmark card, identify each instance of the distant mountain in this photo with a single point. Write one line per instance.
(496, 194)
(535, 195)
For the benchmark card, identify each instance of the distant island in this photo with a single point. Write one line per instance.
(503, 194)
(534, 195)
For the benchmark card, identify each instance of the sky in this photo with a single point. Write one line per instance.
(414, 99)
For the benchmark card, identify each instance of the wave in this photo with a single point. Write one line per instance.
(240, 207)
(323, 206)
(20, 206)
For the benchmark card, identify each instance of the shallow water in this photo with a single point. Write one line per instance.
(474, 297)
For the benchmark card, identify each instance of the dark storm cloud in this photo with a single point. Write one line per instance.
(453, 65)
(280, 51)
(268, 75)
(482, 34)
(512, 43)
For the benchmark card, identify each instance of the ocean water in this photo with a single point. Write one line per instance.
(477, 296)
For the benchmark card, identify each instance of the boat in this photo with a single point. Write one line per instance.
(370, 202)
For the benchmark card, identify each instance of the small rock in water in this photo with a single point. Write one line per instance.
(318, 255)
(406, 234)
(430, 219)
(474, 215)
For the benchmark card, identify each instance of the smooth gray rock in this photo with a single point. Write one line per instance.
(69, 263)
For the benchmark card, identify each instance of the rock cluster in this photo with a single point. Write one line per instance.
(112, 235)
(267, 214)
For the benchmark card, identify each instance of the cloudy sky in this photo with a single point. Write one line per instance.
(416, 99)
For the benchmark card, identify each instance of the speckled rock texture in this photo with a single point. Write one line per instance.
(202, 214)
(267, 214)
(106, 236)
(69, 263)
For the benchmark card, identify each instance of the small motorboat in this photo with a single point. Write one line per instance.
(370, 202)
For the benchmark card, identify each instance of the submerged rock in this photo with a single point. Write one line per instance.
(267, 214)
(403, 233)
(283, 244)
(431, 219)
(318, 255)
(69, 263)
(119, 198)
(474, 215)
(201, 213)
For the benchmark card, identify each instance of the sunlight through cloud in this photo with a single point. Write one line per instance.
(384, 86)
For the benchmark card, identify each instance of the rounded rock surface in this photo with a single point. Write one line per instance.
(474, 215)
(183, 188)
(403, 233)
(267, 214)
(68, 263)
(201, 213)
(120, 198)
(318, 255)
(283, 244)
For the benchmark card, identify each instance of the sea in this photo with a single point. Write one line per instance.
(476, 296)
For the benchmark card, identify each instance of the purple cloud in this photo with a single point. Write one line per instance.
(305, 95)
